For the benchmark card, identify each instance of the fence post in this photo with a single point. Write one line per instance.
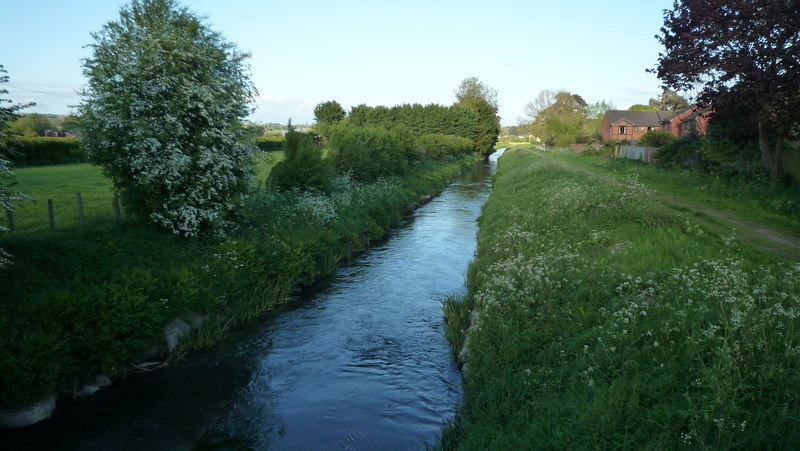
(10, 215)
(115, 204)
(80, 207)
(52, 214)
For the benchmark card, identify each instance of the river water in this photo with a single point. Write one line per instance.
(360, 361)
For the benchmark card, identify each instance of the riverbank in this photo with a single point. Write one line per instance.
(92, 301)
(605, 318)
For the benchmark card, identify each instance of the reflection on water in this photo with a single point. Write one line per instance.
(359, 362)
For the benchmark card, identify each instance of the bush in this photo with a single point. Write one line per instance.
(303, 166)
(443, 147)
(680, 152)
(41, 151)
(269, 143)
(366, 152)
(657, 138)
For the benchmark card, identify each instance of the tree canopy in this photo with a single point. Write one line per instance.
(328, 114)
(738, 52)
(162, 113)
(482, 99)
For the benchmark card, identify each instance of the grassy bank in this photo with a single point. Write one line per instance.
(87, 300)
(758, 196)
(607, 320)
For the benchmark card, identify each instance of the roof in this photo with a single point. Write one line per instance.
(646, 118)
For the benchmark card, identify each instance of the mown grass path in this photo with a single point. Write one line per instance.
(765, 237)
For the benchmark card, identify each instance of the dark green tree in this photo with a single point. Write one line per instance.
(482, 99)
(327, 114)
(303, 166)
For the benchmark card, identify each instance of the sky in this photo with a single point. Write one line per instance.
(368, 52)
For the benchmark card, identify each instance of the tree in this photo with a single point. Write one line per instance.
(328, 114)
(471, 90)
(669, 101)
(473, 94)
(738, 52)
(8, 114)
(162, 114)
(303, 167)
(564, 122)
(640, 107)
(34, 124)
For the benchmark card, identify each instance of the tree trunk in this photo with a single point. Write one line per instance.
(773, 161)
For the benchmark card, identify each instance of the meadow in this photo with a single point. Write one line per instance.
(61, 183)
(604, 318)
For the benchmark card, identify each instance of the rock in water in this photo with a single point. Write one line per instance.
(26, 416)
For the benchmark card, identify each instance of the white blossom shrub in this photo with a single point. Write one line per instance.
(162, 113)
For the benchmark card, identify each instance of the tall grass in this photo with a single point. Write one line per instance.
(605, 320)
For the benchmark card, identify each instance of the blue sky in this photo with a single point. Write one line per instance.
(371, 52)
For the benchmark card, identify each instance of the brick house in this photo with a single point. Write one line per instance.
(631, 125)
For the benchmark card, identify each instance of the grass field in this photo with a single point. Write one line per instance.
(605, 319)
(61, 183)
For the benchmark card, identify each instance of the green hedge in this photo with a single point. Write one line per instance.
(41, 151)
(366, 152)
(443, 147)
(269, 143)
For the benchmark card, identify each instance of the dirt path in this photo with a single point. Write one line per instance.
(759, 235)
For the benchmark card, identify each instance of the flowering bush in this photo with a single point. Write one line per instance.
(161, 113)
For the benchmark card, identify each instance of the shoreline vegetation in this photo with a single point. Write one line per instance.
(600, 316)
(96, 300)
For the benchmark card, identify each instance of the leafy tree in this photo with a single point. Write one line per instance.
(162, 113)
(366, 152)
(34, 124)
(738, 52)
(8, 113)
(640, 107)
(669, 101)
(482, 99)
(328, 114)
(564, 122)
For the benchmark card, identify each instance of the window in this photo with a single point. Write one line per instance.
(623, 130)
(636, 129)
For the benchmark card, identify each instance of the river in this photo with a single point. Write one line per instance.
(359, 361)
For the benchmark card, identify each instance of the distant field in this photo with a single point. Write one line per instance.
(62, 182)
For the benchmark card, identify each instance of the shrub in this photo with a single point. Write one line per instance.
(657, 138)
(680, 152)
(366, 152)
(269, 143)
(443, 147)
(41, 151)
(303, 166)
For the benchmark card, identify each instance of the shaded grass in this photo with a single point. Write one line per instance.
(607, 320)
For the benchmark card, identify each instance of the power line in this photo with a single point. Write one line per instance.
(43, 92)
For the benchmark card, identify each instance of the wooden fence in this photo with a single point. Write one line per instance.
(12, 227)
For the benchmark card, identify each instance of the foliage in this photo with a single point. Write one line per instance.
(34, 124)
(640, 107)
(303, 166)
(728, 51)
(366, 152)
(682, 151)
(162, 114)
(473, 94)
(8, 113)
(327, 114)
(269, 143)
(40, 151)
(656, 138)
(669, 101)
(625, 326)
(444, 147)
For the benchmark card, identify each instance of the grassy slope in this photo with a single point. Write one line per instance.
(61, 182)
(607, 321)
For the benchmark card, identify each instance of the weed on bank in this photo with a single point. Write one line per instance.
(602, 319)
